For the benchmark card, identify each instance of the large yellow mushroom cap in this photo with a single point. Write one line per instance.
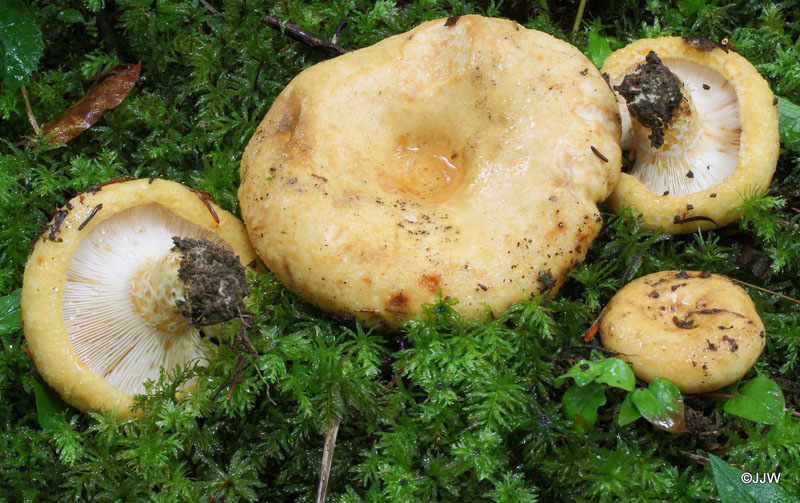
(731, 151)
(79, 315)
(465, 157)
(699, 330)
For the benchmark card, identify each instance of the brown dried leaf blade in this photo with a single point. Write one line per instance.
(107, 92)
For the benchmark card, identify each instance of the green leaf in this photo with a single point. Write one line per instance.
(581, 404)
(10, 316)
(760, 400)
(732, 488)
(789, 113)
(71, 16)
(661, 404)
(598, 49)
(689, 7)
(583, 372)
(611, 371)
(21, 43)
(628, 412)
(50, 408)
(617, 373)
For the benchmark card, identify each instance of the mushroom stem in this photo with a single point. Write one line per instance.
(154, 291)
(195, 283)
(680, 133)
(661, 108)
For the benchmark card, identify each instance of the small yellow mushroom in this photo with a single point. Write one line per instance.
(701, 129)
(699, 330)
(115, 289)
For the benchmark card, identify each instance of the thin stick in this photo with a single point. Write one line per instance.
(244, 341)
(335, 37)
(210, 7)
(105, 25)
(31, 118)
(717, 395)
(327, 459)
(697, 459)
(592, 331)
(594, 348)
(761, 289)
(301, 35)
(578, 17)
(626, 276)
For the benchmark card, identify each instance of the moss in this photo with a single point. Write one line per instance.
(444, 411)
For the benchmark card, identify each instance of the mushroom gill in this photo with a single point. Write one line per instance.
(693, 147)
(120, 298)
(700, 127)
(115, 291)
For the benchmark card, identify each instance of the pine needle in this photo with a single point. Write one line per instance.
(32, 118)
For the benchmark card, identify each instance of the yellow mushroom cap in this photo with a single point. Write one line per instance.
(699, 330)
(733, 153)
(466, 156)
(79, 313)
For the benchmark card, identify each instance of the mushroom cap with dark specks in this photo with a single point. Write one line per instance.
(464, 158)
(699, 330)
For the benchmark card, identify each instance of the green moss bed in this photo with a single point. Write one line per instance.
(443, 411)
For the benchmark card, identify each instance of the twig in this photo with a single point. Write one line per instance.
(301, 35)
(233, 380)
(31, 118)
(220, 490)
(717, 395)
(335, 37)
(607, 351)
(327, 459)
(209, 7)
(578, 17)
(699, 218)
(244, 342)
(696, 458)
(592, 331)
(246, 351)
(105, 25)
(762, 289)
(626, 276)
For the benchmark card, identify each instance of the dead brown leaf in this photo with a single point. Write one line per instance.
(107, 92)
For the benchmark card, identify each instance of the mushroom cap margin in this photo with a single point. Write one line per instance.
(758, 151)
(45, 277)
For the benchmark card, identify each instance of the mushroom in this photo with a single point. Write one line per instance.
(697, 329)
(701, 127)
(464, 158)
(118, 284)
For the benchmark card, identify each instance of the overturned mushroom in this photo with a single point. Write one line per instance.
(699, 330)
(117, 289)
(701, 127)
